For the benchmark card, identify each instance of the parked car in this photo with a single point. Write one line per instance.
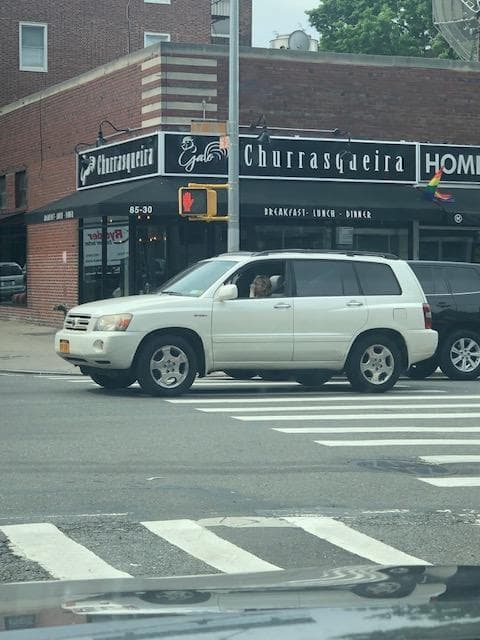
(318, 314)
(12, 280)
(453, 292)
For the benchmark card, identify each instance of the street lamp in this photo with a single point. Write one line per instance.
(233, 236)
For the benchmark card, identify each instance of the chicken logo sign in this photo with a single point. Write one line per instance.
(190, 157)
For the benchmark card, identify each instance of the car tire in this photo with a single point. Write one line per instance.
(113, 380)
(314, 378)
(459, 355)
(239, 374)
(374, 364)
(423, 369)
(166, 366)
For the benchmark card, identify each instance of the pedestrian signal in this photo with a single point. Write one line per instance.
(197, 202)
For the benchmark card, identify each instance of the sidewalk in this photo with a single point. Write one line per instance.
(29, 348)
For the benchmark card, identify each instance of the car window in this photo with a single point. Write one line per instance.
(10, 270)
(261, 279)
(195, 280)
(377, 279)
(325, 278)
(431, 279)
(463, 279)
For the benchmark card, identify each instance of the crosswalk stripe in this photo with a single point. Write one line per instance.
(340, 407)
(379, 430)
(450, 459)
(340, 535)
(366, 417)
(308, 397)
(467, 442)
(206, 546)
(58, 554)
(452, 482)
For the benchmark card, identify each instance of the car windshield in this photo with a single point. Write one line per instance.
(195, 280)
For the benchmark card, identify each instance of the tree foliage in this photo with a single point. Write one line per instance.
(382, 27)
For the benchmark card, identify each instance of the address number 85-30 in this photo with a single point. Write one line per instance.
(138, 209)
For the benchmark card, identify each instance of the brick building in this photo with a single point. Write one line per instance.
(44, 43)
(99, 230)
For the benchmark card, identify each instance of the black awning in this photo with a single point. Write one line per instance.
(345, 201)
(114, 200)
(12, 217)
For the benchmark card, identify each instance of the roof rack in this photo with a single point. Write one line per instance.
(346, 252)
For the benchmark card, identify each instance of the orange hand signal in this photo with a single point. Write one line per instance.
(187, 201)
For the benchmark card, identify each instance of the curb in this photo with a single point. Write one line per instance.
(30, 372)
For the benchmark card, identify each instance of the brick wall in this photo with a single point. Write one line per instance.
(84, 35)
(372, 97)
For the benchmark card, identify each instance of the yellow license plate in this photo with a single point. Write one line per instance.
(64, 346)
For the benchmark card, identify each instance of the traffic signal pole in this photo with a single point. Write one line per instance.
(233, 237)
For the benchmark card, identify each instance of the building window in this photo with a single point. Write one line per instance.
(149, 38)
(3, 192)
(33, 46)
(220, 27)
(20, 189)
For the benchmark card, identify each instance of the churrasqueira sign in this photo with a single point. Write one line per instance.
(295, 158)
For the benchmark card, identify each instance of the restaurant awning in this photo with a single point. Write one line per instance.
(265, 199)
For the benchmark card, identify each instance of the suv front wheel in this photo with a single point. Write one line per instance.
(459, 355)
(374, 364)
(166, 366)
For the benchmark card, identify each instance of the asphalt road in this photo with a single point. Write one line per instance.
(95, 482)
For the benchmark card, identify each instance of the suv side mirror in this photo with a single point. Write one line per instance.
(227, 292)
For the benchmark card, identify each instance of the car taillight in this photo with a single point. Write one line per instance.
(427, 316)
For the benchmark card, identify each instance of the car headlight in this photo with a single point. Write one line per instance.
(117, 322)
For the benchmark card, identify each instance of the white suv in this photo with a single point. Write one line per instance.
(306, 314)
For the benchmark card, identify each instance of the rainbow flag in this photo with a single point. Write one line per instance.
(432, 193)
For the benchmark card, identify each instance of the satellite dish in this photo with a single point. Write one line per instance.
(299, 41)
(459, 21)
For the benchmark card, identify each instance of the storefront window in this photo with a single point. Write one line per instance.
(13, 272)
(265, 237)
(457, 245)
(105, 263)
(383, 240)
(151, 257)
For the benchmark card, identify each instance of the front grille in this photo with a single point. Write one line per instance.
(76, 322)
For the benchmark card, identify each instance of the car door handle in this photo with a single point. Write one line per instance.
(282, 305)
(443, 304)
(354, 303)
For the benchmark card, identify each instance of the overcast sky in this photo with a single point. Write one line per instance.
(283, 16)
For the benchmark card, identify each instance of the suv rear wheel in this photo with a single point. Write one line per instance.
(459, 355)
(423, 369)
(166, 366)
(374, 364)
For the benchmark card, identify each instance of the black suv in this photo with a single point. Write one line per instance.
(453, 292)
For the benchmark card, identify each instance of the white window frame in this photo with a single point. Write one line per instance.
(157, 1)
(23, 67)
(167, 36)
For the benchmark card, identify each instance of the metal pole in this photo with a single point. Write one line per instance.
(233, 131)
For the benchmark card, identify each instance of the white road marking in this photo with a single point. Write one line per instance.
(308, 397)
(340, 535)
(398, 443)
(341, 407)
(452, 482)
(62, 557)
(208, 547)
(380, 430)
(366, 417)
(450, 459)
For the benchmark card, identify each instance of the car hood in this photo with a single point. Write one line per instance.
(350, 603)
(130, 304)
